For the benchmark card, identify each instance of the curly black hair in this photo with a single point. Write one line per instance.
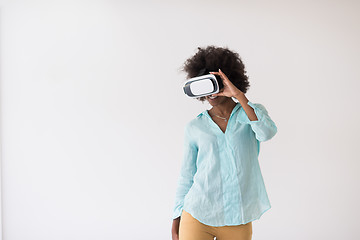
(212, 58)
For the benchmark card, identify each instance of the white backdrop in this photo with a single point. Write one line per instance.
(92, 113)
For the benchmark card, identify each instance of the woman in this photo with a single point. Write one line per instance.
(220, 187)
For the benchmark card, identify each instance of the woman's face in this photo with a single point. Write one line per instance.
(217, 100)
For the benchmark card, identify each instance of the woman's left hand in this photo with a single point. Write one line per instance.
(229, 90)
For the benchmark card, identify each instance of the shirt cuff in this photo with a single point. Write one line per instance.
(177, 212)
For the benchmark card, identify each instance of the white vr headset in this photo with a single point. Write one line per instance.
(203, 85)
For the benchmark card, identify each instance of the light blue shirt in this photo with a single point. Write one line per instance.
(220, 181)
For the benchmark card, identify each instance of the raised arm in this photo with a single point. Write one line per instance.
(257, 116)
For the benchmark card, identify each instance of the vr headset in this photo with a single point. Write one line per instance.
(203, 84)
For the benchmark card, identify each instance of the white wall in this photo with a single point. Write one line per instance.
(92, 113)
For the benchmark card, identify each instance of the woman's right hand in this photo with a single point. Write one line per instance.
(175, 229)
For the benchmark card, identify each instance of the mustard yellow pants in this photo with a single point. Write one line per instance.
(191, 229)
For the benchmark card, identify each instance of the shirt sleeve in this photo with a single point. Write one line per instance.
(264, 127)
(187, 172)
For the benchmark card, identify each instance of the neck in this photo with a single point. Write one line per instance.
(223, 109)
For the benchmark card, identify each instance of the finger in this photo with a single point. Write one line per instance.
(216, 73)
(218, 94)
(223, 75)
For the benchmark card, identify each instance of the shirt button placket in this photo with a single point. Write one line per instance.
(239, 195)
(231, 195)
